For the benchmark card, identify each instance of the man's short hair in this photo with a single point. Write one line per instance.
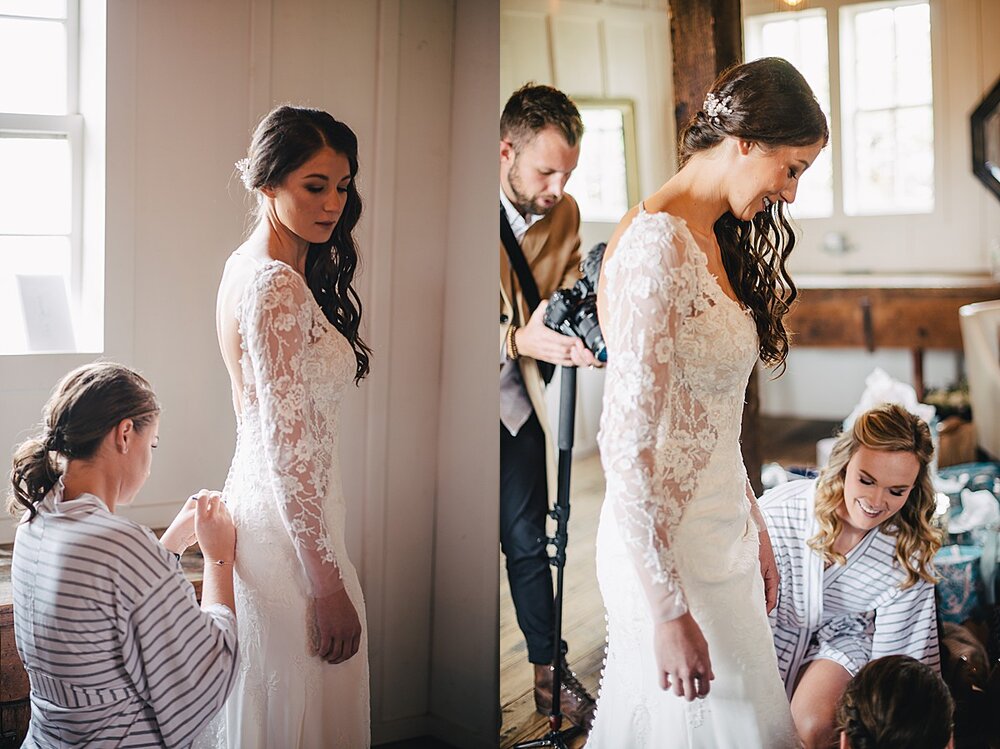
(532, 108)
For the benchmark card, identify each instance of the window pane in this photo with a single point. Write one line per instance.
(35, 192)
(874, 59)
(599, 182)
(33, 61)
(915, 131)
(875, 151)
(38, 8)
(913, 55)
(26, 256)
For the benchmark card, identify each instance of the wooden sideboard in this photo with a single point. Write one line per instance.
(915, 312)
(873, 311)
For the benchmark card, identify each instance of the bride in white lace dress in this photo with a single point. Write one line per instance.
(692, 294)
(292, 352)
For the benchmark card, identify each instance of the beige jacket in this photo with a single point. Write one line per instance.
(552, 249)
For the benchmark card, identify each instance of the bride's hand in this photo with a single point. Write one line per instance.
(768, 565)
(682, 657)
(338, 629)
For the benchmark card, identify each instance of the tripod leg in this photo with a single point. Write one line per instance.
(567, 413)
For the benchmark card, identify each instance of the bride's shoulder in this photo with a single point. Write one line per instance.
(252, 283)
(246, 269)
(651, 238)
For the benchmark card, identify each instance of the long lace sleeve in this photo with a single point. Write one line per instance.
(277, 323)
(655, 437)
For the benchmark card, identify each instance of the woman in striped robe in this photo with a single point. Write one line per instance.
(854, 549)
(117, 650)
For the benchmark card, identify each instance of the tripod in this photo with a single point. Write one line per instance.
(560, 513)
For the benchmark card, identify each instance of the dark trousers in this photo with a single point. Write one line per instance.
(524, 506)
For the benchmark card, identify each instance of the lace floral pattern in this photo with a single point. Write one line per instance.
(675, 531)
(284, 491)
(278, 326)
(670, 357)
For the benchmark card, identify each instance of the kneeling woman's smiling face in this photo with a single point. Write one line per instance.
(876, 486)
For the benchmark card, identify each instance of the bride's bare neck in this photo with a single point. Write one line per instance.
(271, 240)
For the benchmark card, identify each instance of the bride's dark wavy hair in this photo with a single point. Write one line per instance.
(771, 105)
(283, 141)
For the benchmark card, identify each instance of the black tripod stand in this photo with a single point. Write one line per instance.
(567, 413)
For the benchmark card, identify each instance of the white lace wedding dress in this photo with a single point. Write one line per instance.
(284, 491)
(675, 532)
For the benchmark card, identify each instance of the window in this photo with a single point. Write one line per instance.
(888, 114)
(881, 162)
(41, 162)
(605, 181)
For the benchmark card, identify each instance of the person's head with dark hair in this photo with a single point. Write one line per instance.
(90, 405)
(766, 102)
(540, 132)
(303, 164)
(895, 702)
(766, 112)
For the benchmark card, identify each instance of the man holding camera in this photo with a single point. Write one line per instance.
(540, 132)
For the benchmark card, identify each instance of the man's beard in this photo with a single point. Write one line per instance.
(525, 204)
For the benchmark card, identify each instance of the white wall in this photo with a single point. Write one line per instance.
(593, 49)
(186, 82)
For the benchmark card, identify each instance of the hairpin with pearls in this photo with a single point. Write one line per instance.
(714, 106)
(243, 167)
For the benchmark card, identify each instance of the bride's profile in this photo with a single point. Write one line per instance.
(287, 320)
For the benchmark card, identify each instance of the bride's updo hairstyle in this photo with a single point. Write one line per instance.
(769, 103)
(283, 141)
(87, 404)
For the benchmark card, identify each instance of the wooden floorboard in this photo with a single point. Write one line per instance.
(790, 442)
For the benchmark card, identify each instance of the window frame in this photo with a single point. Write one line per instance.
(71, 127)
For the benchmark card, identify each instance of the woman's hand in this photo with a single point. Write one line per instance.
(180, 534)
(768, 565)
(682, 657)
(338, 629)
(214, 528)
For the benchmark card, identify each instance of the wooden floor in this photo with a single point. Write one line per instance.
(790, 442)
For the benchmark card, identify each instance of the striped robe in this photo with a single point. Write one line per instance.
(116, 648)
(850, 613)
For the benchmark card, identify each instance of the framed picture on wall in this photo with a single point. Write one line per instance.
(606, 180)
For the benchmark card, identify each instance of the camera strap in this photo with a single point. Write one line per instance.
(527, 281)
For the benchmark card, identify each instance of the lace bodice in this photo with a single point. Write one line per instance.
(295, 368)
(679, 355)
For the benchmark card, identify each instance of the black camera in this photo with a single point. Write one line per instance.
(573, 311)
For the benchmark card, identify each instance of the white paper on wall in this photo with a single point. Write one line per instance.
(47, 322)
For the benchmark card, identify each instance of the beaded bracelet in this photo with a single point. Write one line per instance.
(511, 343)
